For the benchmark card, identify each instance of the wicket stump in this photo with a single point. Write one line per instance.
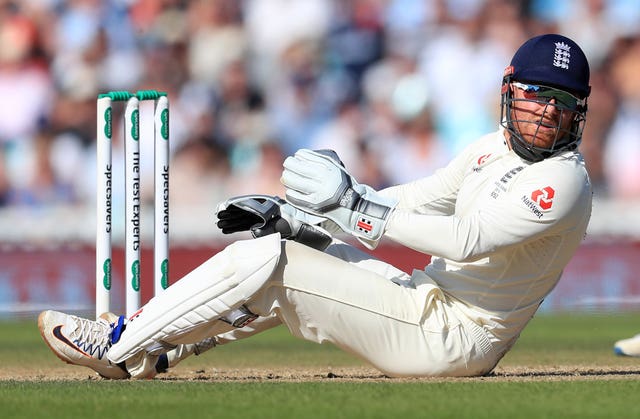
(133, 203)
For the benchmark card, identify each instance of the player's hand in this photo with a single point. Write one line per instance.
(265, 214)
(318, 183)
(244, 213)
(315, 180)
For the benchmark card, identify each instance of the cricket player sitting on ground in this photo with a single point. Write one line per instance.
(501, 222)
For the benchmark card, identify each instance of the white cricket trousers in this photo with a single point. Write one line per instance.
(402, 324)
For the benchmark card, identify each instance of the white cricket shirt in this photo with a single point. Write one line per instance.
(500, 229)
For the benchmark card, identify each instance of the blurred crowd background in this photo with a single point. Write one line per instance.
(396, 87)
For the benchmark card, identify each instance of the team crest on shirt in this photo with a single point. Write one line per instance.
(540, 200)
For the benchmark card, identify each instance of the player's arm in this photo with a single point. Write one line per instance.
(499, 223)
(317, 182)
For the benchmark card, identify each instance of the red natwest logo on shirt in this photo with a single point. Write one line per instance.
(543, 197)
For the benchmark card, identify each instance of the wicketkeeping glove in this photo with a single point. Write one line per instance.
(265, 214)
(316, 182)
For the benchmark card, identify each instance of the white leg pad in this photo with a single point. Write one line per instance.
(225, 281)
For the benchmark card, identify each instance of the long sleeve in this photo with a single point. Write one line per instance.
(494, 223)
(487, 199)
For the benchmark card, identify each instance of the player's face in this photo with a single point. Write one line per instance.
(537, 118)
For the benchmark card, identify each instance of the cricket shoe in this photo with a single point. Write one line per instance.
(79, 341)
(628, 347)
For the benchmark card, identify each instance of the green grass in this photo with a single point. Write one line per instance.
(549, 341)
(574, 339)
(157, 399)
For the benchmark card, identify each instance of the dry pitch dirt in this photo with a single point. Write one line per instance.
(355, 374)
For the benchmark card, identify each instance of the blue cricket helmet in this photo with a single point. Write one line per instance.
(552, 60)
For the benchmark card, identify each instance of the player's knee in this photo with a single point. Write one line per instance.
(223, 283)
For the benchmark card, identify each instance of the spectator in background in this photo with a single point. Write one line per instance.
(296, 111)
(261, 169)
(345, 135)
(201, 168)
(273, 26)
(456, 47)
(416, 150)
(216, 39)
(239, 110)
(354, 42)
(46, 185)
(27, 91)
(602, 108)
(622, 149)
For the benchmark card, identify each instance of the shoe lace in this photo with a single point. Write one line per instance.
(94, 337)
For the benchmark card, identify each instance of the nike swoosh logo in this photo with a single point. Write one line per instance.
(62, 338)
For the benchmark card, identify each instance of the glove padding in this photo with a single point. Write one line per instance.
(317, 183)
(264, 214)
